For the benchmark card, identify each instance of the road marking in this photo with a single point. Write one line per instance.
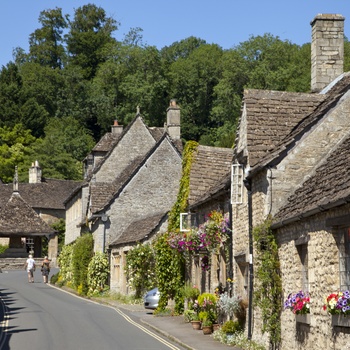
(126, 317)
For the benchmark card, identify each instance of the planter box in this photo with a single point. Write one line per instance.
(303, 318)
(340, 321)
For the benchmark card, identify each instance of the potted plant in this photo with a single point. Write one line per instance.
(299, 304)
(338, 305)
(207, 326)
(189, 315)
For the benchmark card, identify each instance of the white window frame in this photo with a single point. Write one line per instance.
(237, 184)
(185, 224)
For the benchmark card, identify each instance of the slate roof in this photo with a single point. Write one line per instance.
(140, 230)
(329, 187)
(18, 218)
(48, 194)
(271, 115)
(328, 101)
(209, 167)
(106, 142)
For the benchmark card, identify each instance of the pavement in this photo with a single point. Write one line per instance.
(172, 327)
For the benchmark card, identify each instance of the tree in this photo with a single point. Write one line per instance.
(89, 35)
(15, 145)
(10, 95)
(192, 80)
(46, 44)
(63, 148)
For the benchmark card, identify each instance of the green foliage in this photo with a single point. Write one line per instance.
(184, 188)
(231, 327)
(170, 273)
(65, 263)
(3, 248)
(140, 269)
(97, 274)
(81, 256)
(190, 292)
(268, 287)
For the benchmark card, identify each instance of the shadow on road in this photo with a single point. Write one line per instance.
(6, 314)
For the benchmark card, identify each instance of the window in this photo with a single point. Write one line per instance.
(303, 254)
(344, 258)
(237, 184)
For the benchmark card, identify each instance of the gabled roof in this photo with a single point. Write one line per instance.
(48, 194)
(102, 195)
(334, 94)
(209, 166)
(18, 218)
(140, 230)
(270, 116)
(328, 187)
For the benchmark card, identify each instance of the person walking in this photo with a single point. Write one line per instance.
(30, 268)
(45, 269)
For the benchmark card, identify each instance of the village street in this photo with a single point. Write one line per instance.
(41, 317)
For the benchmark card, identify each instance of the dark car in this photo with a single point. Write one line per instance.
(151, 299)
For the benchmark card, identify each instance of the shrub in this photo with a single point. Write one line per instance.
(82, 254)
(231, 327)
(98, 273)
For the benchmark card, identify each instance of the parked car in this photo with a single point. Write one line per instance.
(151, 299)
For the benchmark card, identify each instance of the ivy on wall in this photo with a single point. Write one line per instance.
(170, 264)
(268, 282)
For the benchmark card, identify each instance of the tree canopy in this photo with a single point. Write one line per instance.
(76, 78)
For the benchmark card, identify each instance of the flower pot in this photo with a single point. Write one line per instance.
(216, 326)
(340, 321)
(207, 329)
(196, 325)
(304, 318)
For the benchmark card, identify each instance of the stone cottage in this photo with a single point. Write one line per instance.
(132, 179)
(209, 190)
(291, 162)
(28, 209)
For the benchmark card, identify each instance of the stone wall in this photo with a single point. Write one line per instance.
(311, 150)
(135, 143)
(323, 266)
(152, 190)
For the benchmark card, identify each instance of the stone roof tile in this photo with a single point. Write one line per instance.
(271, 115)
(210, 165)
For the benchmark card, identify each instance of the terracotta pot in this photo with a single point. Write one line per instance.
(196, 324)
(216, 326)
(207, 329)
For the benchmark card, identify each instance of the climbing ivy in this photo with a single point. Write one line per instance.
(170, 264)
(170, 273)
(180, 205)
(268, 284)
(140, 269)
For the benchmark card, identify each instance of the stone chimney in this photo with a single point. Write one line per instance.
(116, 128)
(327, 50)
(173, 123)
(35, 173)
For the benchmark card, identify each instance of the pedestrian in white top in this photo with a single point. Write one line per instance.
(30, 267)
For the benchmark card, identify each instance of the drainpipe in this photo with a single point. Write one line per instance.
(230, 271)
(248, 185)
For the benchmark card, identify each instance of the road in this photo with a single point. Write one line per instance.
(37, 316)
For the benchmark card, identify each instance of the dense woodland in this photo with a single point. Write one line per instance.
(58, 99)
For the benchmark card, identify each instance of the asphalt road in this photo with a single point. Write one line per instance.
(37, 316)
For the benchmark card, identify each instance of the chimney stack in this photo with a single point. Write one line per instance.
(327, 50)
(173, 123)
(35, 173)
(116, 128)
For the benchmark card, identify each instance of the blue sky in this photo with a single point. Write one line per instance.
(223, 22)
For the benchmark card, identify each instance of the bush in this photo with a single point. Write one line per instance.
(82, 254)
(231, 327)
(98, 273)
